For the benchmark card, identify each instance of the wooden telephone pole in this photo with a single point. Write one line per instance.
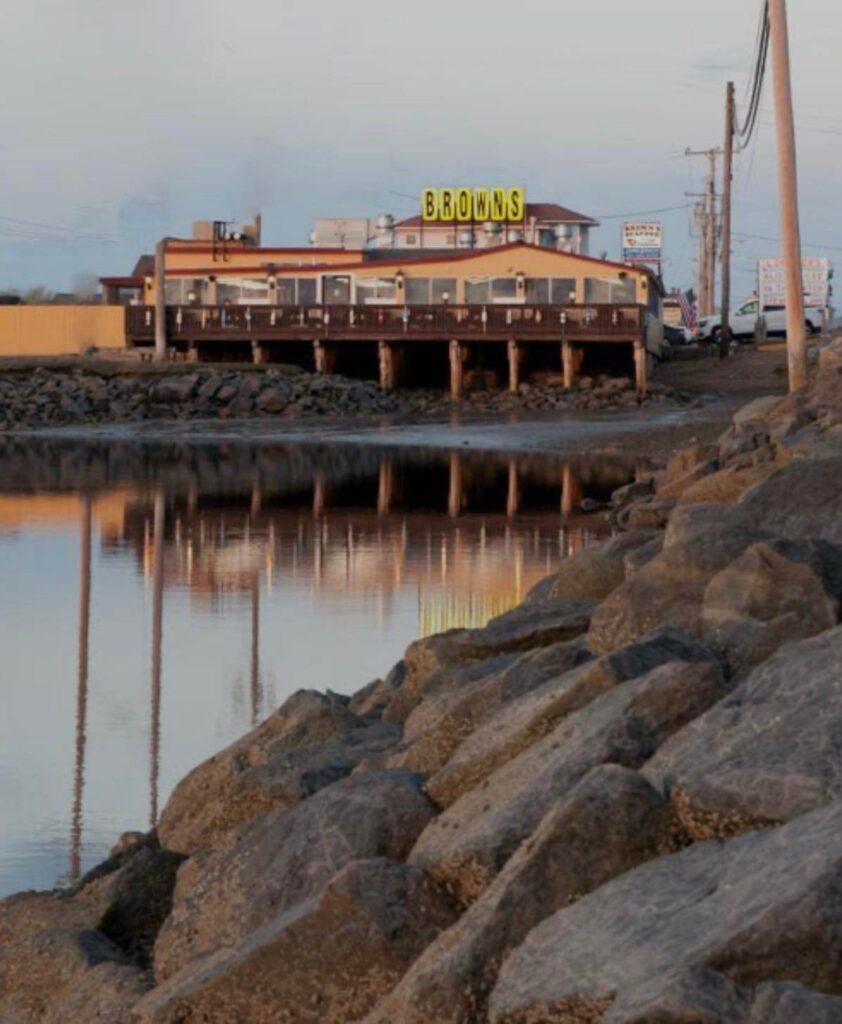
(160, 301)
(706, 219)
(727, 178)
(788, 186)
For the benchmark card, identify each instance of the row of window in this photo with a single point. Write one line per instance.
(418, 291)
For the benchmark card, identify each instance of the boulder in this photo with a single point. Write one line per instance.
(523, 628)
(669, 589)
(593, 572)
(58, 975)
(800, 500)
(126, 900)
(687, 460)
(569, 854)
(467, 845)
(526, 719)
(325, 960)
(785, 1002)
(764, 599)
(756, 411)
(757, 908)
(310, 742)
(767, 753)
(443, 719)
(724, 486)
(286, 856)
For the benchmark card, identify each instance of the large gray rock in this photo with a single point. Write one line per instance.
(668, 590)
(789, 1003)
(286, 856)
(58, 975)
(769, 752)
(467, 845)
(592, 572)
(326, 960)
(767, 597)
(521, 629)
(526, 719)
(310, 742)
(760, 907)
(799, 501)
(443, 719)
(126, 899)
(569, 854)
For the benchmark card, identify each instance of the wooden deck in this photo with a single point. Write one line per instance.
(199, 331)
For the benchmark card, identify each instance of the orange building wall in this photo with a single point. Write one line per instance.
(59, 330)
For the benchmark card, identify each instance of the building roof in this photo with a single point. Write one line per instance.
(416, 259)
(145, 267)
(545, 212)
(123, 282)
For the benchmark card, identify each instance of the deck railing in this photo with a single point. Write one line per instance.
(598, 321)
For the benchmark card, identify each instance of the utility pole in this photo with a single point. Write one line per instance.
(796, 338)
(708, 231)
(160, 301)
(727, 177)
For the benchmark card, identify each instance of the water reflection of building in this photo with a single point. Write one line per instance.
(469, 534)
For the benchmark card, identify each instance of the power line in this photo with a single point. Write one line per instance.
(55, 227)
(768, 238)
(755, 92)
(642, 213)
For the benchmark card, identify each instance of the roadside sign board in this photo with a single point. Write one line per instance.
(643, 242)
(816, 273)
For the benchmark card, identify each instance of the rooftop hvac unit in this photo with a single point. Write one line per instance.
(492, 228)
(385, 222)
(466, 238)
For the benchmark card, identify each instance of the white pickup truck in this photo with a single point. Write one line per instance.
(744, 322)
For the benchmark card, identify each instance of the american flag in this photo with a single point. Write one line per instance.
(688, 309)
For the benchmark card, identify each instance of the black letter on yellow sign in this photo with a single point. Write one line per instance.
(429, 204)
(482, 205)
(516, 204)
(464, 204)
(499, 204)
(447, 204)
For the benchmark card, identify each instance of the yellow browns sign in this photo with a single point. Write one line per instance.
(473, 204)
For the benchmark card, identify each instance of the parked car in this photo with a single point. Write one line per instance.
(675, 336)
(743, 322)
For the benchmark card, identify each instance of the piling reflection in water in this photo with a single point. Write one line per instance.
(242, 531)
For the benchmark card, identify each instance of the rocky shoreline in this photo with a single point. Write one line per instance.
(46, 397)
(619, 803)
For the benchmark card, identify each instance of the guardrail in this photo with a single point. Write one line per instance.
(599, 321)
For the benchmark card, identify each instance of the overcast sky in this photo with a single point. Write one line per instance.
(122, 122)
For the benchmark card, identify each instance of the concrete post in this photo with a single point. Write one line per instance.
(160, 301)
(513, 496)
(640, 379)
(258, 353)
(386, 362)
(567, 364)
(385, 488)
(571, 491)
(454, 497)
(515, 355)
(456, 370)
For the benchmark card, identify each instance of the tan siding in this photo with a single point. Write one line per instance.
(59, 330)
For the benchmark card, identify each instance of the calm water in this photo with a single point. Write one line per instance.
(157, 600)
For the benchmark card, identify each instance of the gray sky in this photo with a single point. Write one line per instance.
(122, 122)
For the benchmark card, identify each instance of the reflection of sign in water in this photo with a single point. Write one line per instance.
(642, 241)
(816, 273)
(476, 205)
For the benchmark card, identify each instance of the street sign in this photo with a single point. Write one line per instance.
(642, 242)
(816, 273)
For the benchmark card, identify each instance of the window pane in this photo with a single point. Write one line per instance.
(562, 291)
(537, 290)
(623, 291)
(597, 290)
(365, 292)
(306, 291)
(503, 288)
(444, 290)
(417, 291)
(477, 292)
(286, 291)
(384, 289)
